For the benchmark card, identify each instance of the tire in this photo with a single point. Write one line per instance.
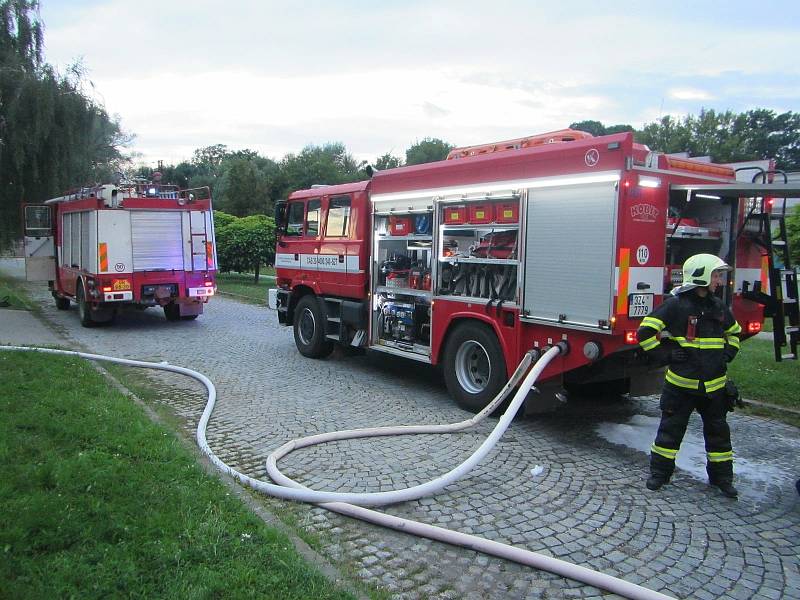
(474, 366)
(172, 311)
(309, 328)
(61, 302)
(84, 309)
(189, 317)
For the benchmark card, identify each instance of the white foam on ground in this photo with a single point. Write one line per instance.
(640, 431)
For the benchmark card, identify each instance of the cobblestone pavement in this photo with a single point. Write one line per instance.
(588, 506)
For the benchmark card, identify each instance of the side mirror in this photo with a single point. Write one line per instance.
(280, 220)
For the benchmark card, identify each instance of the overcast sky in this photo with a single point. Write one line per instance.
(379, 76)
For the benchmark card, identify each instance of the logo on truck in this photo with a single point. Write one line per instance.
(592, 157)
(644, 213)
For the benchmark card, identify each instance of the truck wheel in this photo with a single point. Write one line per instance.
(172, 311)
(309, 328)
(474, 366)
(84, 310)
(62, 303)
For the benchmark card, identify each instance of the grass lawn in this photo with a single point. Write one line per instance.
(243, 286)
(97, 501)
(9, 292)
(759, 377)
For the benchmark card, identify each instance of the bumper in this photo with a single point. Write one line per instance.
(117, 296)
(202, 292)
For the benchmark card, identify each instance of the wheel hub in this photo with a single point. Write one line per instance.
(307, 326)
(473, 367)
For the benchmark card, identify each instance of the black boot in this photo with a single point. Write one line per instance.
(726, 487)
(655, 481)
(660, 471)
(720, 474)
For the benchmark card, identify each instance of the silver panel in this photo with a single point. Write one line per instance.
(157, 239)
(86, 243)
(569, 267)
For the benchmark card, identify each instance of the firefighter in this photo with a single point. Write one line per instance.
(702, 339)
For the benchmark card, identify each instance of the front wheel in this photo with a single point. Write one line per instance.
(309, 328)
(474, 366)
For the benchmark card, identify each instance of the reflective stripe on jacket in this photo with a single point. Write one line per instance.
(709, 345)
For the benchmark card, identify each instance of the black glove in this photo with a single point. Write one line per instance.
(732, 396)
(679, 355)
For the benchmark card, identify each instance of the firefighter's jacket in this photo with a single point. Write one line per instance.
(705, 328)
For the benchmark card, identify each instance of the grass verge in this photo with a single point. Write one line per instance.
(760, 378)
(242, 285)
(98, 501)
(11, 293)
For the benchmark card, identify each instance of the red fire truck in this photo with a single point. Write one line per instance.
(470, 262)
(136, 243)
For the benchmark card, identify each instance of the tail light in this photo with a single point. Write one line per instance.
(630, 338)
(753, 326)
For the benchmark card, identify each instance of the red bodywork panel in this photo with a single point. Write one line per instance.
(309, 259)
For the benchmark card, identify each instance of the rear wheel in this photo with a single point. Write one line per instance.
(309, 328)
(474, 366)
(84, 309)
(172, 311)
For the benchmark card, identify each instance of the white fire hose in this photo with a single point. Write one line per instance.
(345, 503)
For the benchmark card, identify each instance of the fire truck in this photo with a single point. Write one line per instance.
(139, 243)
(471, 261)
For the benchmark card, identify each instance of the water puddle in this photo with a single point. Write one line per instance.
(753, 477)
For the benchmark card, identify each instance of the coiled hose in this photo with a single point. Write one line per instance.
(345, 503)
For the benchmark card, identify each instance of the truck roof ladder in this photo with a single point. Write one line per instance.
(767, 227)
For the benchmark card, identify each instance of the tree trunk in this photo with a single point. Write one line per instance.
(258, 267)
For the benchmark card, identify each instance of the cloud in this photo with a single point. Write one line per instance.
(276, 75)
(690, 94)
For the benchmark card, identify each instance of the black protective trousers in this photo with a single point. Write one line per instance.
(676, 408)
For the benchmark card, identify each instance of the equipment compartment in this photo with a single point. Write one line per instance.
(479, 261)
(401, 307)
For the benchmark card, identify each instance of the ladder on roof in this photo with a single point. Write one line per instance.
(766, 226)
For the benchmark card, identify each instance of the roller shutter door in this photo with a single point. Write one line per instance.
(157, 239)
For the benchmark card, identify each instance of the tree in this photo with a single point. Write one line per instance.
(52, 135)
(388, 161)
(427, 150)
(245, 185)
(597, 128)
(328, 164)
(244, 244)
(729, 137)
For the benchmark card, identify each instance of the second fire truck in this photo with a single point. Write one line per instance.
(139, 243)
(470, 262)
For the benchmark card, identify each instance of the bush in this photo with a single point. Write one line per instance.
(244, 244)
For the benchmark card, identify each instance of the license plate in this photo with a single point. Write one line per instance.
(639, 305)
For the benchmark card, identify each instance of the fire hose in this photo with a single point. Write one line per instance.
(352, 504)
